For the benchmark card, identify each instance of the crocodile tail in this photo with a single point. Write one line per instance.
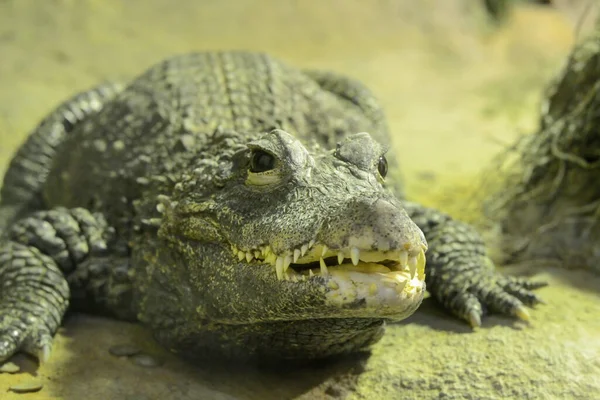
(26, 174)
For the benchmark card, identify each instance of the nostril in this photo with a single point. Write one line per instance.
(385, 207)
(373, 223)
(395, 223)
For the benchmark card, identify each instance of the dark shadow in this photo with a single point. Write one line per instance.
(90, 367)
(320, 379)
(581, 279)
(26, 363)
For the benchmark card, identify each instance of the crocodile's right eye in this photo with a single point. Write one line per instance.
(382, 166)
(261, 161)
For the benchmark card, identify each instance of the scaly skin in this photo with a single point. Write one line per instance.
(182, 200)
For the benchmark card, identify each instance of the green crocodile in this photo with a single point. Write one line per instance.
(236, 206)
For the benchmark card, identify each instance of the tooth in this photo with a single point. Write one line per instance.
(286, 262)
(400, 286)
(296, 255)
(256, 254)
(421, 265)
(279, 268)
(324, 251)
(271, 258)
(294, 278)
(333, 285)
(304, 249)
(403, 258)
(310, 273)
(412, 266)
(249, 256)
(340, 257)
(241, 255)
(324, 270)
(311, 243)
(389, 283)
(355, 254)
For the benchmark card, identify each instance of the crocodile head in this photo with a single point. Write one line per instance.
(278, 231)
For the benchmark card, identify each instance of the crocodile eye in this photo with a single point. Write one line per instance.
(382, 166)
(261, 161)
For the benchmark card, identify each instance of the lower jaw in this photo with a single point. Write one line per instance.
(378, 292)
(385, 304)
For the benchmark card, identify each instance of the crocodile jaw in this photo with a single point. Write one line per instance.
(387, 283)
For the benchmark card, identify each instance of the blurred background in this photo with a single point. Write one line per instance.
(446, 71)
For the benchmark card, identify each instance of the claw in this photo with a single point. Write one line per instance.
(532, 285)
(43, 354)
(526, 283)
(539, 300)
(474, 319)
(38, 347)
(522, 313)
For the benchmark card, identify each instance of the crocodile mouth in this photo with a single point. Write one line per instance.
(401, 270)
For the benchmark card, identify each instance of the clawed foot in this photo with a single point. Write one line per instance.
(33, 299)
(23, 333)
(505, 295)
(471, 288)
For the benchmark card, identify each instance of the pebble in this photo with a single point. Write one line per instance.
(9, 368)
(145, 360)
(27, 387)
(124, 350)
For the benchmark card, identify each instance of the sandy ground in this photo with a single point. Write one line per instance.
(455, 89)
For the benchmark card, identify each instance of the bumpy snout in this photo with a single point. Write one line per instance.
(373, 225)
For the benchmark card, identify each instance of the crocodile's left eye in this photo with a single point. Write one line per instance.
(382, 166)
(264, 169)
(261, 161)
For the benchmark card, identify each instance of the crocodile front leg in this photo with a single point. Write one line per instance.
(35, 255)
(460, 275)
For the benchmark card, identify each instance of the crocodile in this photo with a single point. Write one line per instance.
(238, 207)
